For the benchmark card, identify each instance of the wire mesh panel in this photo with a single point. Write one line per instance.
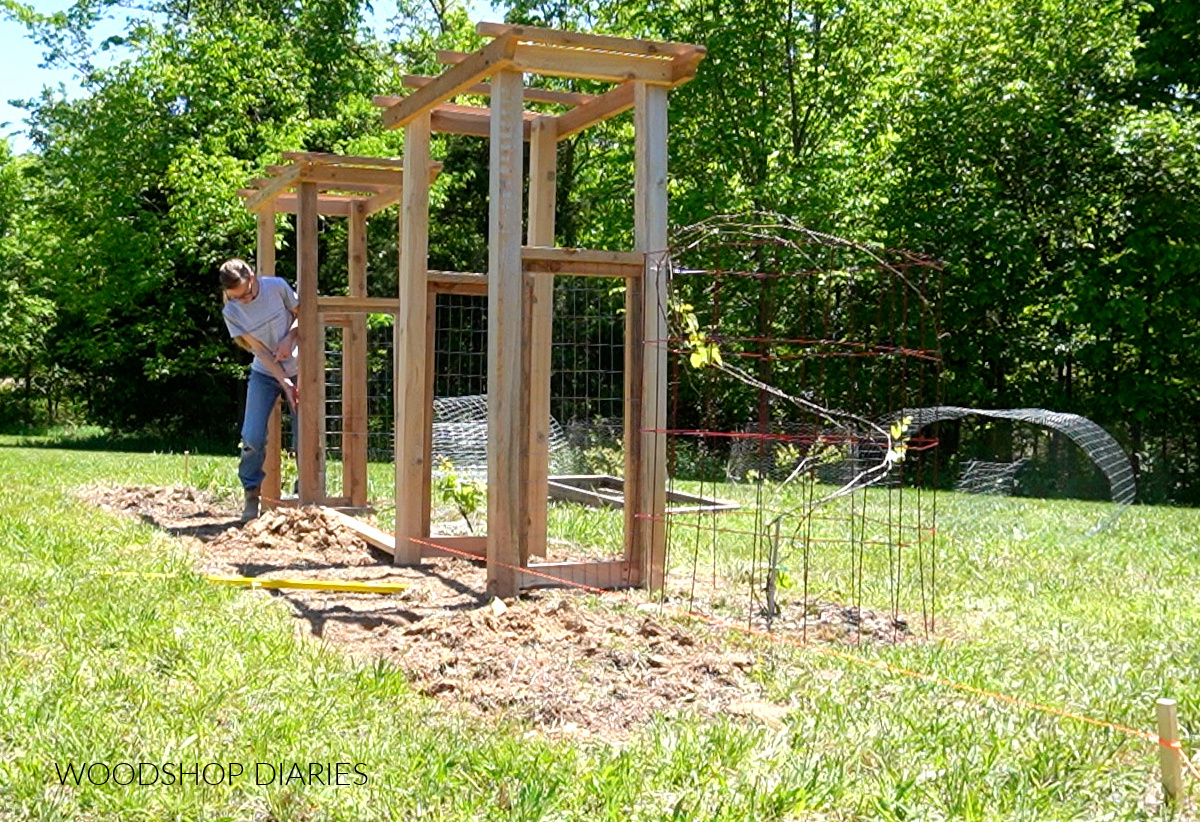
(587, 382)
(587, 398)
(381, 399)
(334, 411)
(372, 436)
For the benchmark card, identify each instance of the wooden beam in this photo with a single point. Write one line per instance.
(604, 66)
(359, 305)
(327, 205)
(443, 122)
(441, 282)
(338, 319)
(456, 278)
(557, 61)
(508, 396)
(354, 367)
(543, 175)
(463, 289)
(273, 189)
(476, 546)
(645, 517)
(373, 180)
(558, 37)
(311, 456)
(472, 121)
(493, 57)
(478, 111)
(579, 269)
(409, 344)
(607, 105)
(537, 95)
(381, 201)
(604, 574)
(368, 533)
(583, 262)
(571, 256)
(323, 189)
(684, 68)
(320, 158)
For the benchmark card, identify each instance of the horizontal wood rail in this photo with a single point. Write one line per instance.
(558, 61)
(531, 93)
(577, 39)
(582, 262)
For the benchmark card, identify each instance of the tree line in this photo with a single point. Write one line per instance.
(1047, 152)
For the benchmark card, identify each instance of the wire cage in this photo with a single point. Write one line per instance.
(794, 358)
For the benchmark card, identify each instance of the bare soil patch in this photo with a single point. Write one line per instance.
(569, 661)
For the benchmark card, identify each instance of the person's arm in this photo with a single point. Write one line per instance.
(290, 389)
(290, 339)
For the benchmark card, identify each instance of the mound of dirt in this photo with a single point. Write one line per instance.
(309, 529)
(566, 660)
(136, 499)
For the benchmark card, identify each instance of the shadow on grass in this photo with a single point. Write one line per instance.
(94, 438)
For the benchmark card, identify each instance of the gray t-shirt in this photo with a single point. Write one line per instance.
(267, 318)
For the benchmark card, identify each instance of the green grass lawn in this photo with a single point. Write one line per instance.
(102, 668)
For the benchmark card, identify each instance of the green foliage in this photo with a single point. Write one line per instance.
(702, 352)
(140, 178)
(27, 309)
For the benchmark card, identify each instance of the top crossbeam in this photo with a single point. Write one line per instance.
(552, 53)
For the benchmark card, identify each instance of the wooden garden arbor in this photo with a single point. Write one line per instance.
(309, 185)
(519, 288)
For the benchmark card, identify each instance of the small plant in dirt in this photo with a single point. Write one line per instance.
(465, 494)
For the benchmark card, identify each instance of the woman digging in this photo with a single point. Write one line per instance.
(260, 313)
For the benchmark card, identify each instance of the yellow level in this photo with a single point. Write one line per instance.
(345, 586)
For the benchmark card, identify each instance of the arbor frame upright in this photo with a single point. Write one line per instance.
(520, 279)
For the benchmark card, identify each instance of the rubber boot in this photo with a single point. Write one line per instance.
(250, 510)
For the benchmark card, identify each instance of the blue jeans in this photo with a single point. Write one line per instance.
(262, 392)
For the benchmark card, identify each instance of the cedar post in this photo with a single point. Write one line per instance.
(311, 447)
(543, 168)
(507, 356)
(264, 258)
(646, 350)
(354, 368)
(411, 421)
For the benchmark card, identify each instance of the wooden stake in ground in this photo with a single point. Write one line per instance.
(1168, 757)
